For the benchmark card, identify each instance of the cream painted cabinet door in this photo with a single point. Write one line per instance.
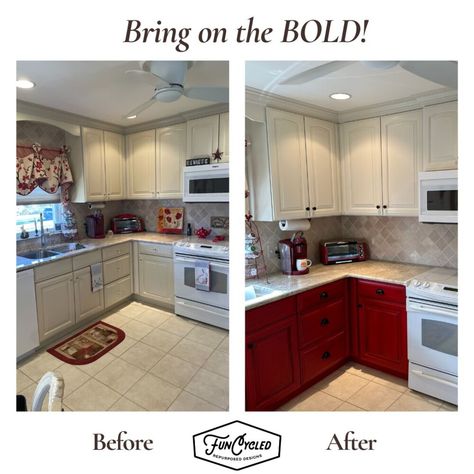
(361, 167)
(323, 176)
(156, 278)
(440, 137)
(141, 164)
(114, 166)
(87, 302)
(55, 305)
(289, 176)
(401, 162)
(202, 137)
(224, 136)
(94, 163)
(170, 156)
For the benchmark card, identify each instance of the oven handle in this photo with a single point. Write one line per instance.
(214, 263)
(430, 377)
(423, 308)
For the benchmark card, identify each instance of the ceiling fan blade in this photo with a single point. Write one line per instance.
(173, 72)
(444, 73)
(316, 72)
(212, 94)
(138, 110)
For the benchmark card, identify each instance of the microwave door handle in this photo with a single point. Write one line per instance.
(420, 373)
(431, 309)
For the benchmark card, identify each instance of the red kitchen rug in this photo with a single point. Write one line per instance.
(88, 345)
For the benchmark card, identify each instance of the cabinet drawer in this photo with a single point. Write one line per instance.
(117, 291)
(116, 268)
(321, 322)
(53, 269)
(115, 251)
(382, 291)
(86, 259)
(155, 249)
(320, 358)
(270, 313)
(321, 295)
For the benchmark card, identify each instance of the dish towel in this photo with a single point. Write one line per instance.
(202, 275)
(97, 282)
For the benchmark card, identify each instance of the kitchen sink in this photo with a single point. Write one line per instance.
(255, 291)
(38, 254)
(65, 248)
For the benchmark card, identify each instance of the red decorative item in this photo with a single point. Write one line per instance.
(202, 232)
(170, 220)
(218, 238)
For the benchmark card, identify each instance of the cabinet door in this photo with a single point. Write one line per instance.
(382, 331)
(87, 302)
(401, 162)
(203, 136)
(224, 136)
(156, 278)
(94, 163)
(289, 175)
(440, 137)
(170, 156)
(114, 166)
(55, 305)
(141, 164)
(272, 365)
(321, 156)
(362, 169)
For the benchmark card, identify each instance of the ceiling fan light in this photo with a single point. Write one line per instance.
(25, 84)
(340, 96)
(169, 94)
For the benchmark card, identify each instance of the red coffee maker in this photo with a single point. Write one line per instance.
(95, 225)
(291, 250)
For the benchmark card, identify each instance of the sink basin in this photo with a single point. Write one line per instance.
(65, 248)
(38, 254)
(255, 291)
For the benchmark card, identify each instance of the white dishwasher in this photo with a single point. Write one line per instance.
(27, 337)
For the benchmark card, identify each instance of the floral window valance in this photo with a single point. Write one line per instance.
(47, 168)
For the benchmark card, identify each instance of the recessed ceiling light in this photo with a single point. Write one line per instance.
(25, 84)
(340, 96)
(130, 117)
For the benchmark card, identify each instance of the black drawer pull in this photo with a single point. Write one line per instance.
(251, 345)
(379, 291)
(326, 355)
(323, 295)
(324, 322)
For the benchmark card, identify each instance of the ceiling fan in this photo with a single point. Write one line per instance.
(444, 73)
(173, 74)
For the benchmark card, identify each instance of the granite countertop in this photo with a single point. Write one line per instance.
(281, 286)
(94, 244)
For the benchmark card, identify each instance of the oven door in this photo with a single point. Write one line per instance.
(433, 336)
(207, 183)
(184, 281)
(438, 196)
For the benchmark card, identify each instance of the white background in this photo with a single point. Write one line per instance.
(94, 30)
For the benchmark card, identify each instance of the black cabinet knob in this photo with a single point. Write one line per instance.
(307, 208)
(323, 295)
(377, 206)
(384, 206)
(379, 291)
(324, 322)
(314, 208)
(326, 355)
(251, 345)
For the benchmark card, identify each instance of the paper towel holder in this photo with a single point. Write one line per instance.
(294, 224)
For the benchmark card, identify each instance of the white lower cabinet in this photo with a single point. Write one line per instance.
(118, 291)
(117, 270)
(87, 302)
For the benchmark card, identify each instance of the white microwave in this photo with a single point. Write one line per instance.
(438, 196)
(206, 183)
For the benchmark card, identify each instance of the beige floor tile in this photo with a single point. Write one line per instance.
(319, 401)
(153, 393)
(174, 370)
(73, 378)
(423, 396)
(95, 367)
(119, 375)
(218, 363)
(188, 402)
(224, 345)
(22, 381)
(345, 385)
(116, 319)
(142, 356)
(390, 381)
(406, 402)
(133, 309)
(191, 351)
(348, 407)
(445, 406)
(124, 346)
(211, 337)
(211, 387)
(36, 367)
(161, 340)
(178, 326)
(123, 404)
(360, 370)
(153, 317)
(92, 396)
(374, 397)
(136, 329)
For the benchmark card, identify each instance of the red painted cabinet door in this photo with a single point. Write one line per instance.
(272, 365)
(382, 328)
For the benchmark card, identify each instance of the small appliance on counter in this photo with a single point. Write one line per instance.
(127, 223)
(291, 251)
(343, 251)
(95, 227)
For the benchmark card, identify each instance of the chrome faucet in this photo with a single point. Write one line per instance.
(42, 235)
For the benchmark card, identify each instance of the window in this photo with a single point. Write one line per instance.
(28, 217)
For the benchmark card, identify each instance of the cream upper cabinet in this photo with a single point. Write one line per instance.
(323, 175)
(94, 163)
(114, 166)
(202, 137)
(141, 165)
(287, 153)
(361, 167)
(170, 157)
(224, 136)
(401, 162)
(440, 137)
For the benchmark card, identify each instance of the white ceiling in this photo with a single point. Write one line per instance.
(103, 91)
(367, 85)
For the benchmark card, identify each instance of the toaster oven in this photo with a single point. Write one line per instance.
(343, 251)
(127, 223)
